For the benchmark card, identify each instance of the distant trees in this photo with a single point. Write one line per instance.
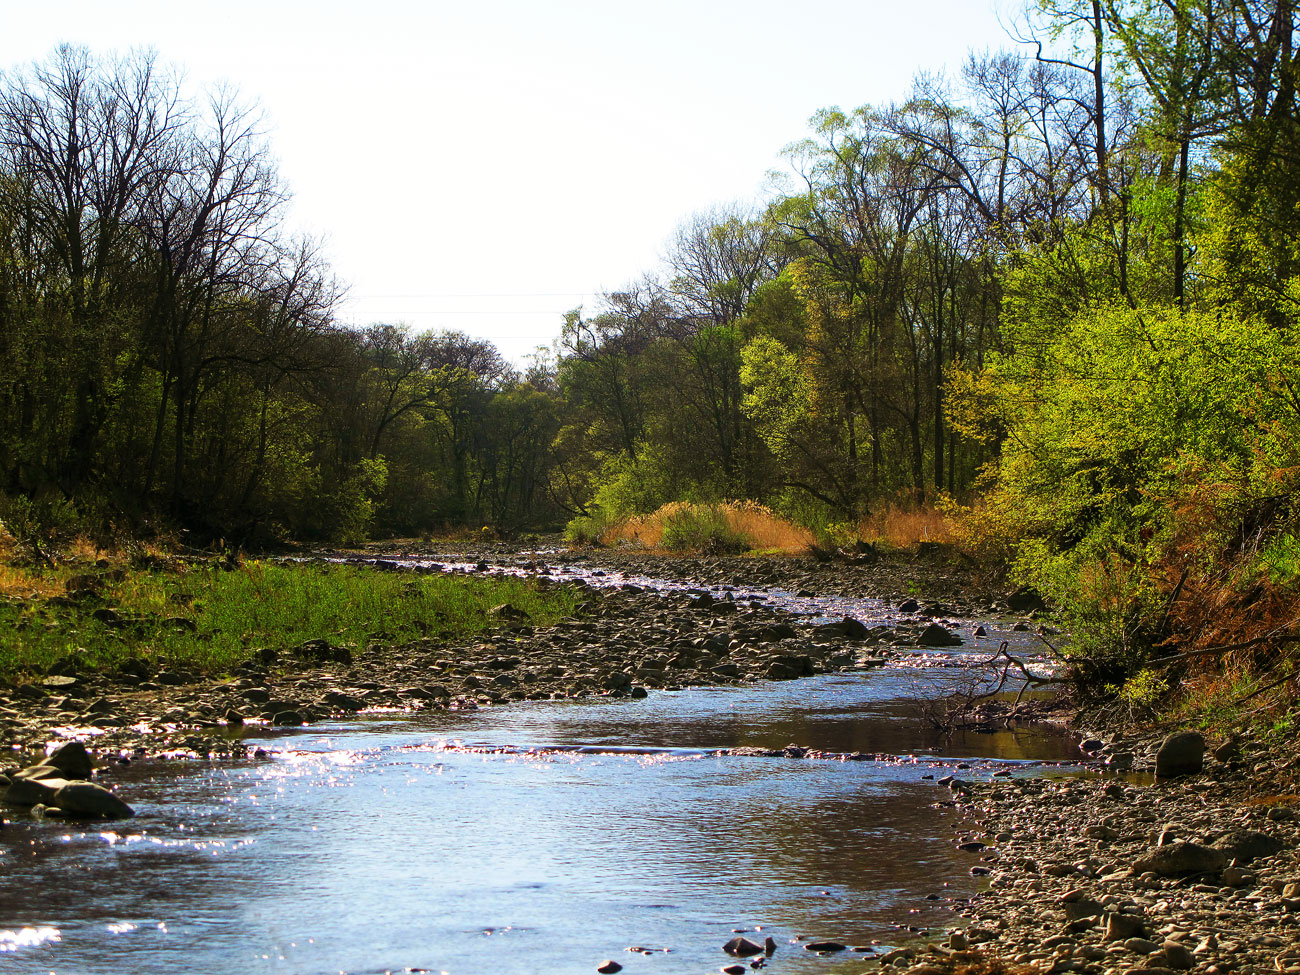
(167, 349)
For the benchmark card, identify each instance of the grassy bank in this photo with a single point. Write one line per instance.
(736, 527)
(212, 618)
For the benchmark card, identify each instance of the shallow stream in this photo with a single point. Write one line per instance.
(537, 837)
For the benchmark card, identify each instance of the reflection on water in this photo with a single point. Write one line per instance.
(384, 845)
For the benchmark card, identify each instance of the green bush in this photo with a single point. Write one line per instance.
(702, 528)
(586, 529)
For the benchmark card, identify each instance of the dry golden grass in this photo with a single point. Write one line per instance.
(18, 581)
(82, 549)
(906, 527)
(765, 530)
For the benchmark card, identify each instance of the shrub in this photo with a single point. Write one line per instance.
(702, 528)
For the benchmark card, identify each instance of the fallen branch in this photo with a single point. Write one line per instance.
(1279, 635)
(1267, 687)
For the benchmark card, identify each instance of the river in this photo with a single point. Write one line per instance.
(539, 836)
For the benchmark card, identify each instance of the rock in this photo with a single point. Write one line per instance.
(1140, 946)
(1085, 907)
(1121, 927)
(24, 791)
(733, 970)
(938, 635)
(1236, 877)
(323, 652)
(91, 799)
(1228, 750)
(1245, 845)
(1178, 956)
(1181, 857)
(1026, 599)
(286, 718)
(609, 967)
(824, 946)
(769, 946)
(1182, 753)
(908, 606)
(71, 759)
(742, 948)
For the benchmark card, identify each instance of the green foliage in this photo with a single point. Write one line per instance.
(702, 528)
(39, 527)
(212, 619)
(1144, 689)
(1279, 560)
(587, 530)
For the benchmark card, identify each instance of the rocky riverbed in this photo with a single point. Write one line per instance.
(1083, 872)
(1120, 875)
(626, 641)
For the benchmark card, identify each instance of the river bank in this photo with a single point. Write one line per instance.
(703, 621)
(1062, 855)
(1109, 875)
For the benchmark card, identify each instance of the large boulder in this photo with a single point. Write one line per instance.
(1025, 600)
(1175, 859)
(71, 759)
(90, 799)
(31, 790)
(938, 635)
(1182, 753)
(1244, 845)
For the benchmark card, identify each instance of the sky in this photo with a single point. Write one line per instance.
(487, 165)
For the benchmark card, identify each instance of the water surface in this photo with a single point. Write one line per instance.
(470, 843)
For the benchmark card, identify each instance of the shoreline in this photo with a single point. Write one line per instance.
(1059, 852)
(626, 641)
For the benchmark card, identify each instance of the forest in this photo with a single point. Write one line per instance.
(1053, 295)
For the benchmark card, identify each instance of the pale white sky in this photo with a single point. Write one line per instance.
(487, 165)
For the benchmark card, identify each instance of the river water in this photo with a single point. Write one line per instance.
(538, 837)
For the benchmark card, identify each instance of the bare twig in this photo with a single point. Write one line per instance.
(1278, 635)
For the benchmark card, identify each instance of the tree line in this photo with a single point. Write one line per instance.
(1054, 292)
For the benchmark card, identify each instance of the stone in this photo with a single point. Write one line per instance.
(1181, 857)
(1245, 845)
(1178, 956)
(938, 635)
(733, 970)
(71, 759)
(1228, 751)
(609, 967)
(1140, 946)
(1182, 753)
(91, 799)
(27, 791)
(1025, 600)
(742, 948)
(1084, 907)
(1121, 927)
(824, 946)
(1236, 877)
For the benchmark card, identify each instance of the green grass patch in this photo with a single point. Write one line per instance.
(212, 619)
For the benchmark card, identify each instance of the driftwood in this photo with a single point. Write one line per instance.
(960, 703)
